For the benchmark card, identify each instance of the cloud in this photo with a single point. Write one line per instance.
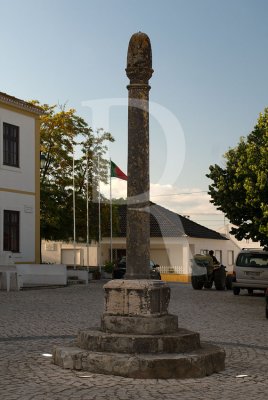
(119, 189)
(183, 201)
(193, 202)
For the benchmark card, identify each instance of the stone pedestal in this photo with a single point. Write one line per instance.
(139, 339)
(139, 307)
(144, 297)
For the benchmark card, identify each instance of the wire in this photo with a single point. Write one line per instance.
(177, 194)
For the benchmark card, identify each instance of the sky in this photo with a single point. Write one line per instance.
(209, 85)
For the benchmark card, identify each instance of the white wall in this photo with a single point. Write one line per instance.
(57, 252)
(22, 178)
(160, 256)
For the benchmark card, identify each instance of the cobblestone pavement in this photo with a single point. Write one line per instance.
(32, 322)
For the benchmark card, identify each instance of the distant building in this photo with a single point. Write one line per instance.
(174, 241)
(19, 179)
(238, 244)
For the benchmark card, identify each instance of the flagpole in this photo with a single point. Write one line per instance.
(99, 212)
(111, 215)
(87, 215)
(117, 173)
(74, 230)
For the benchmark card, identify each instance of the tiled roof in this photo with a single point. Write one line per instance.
(166, 223)
(21, 104)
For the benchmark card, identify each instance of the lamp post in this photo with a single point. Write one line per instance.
(43, 161)
(87, 198)
(74, 222)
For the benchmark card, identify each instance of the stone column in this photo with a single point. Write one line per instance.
(139, 71)
(138, 337)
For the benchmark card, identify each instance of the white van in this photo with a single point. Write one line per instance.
(250, 271)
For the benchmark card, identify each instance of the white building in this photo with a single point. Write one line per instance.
(19, 179)
(174, 241)
(234, 244)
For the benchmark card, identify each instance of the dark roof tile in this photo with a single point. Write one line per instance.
(166, 223)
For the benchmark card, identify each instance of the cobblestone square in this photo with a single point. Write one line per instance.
(34, 321)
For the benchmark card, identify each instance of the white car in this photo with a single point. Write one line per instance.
(250, 271)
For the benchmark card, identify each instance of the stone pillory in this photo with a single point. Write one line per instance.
(138, 338)
(139, 71)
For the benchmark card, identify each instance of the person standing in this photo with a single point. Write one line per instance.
(214, 259)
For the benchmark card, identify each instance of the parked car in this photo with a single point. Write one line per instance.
(266, 303)
(250, 271)
(120, 270)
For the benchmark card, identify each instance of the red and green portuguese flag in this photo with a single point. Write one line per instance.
(116, 172)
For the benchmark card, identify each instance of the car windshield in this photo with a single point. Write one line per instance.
(254, 260)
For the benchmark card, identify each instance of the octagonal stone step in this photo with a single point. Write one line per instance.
(180, 341)
(195, 364)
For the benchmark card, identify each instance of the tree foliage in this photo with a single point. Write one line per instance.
(240, 189)
(62, 134)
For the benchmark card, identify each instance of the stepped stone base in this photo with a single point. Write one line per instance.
(139, 339)
(180, 341)
(195, 364)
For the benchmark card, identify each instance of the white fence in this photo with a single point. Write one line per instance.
(175, 269)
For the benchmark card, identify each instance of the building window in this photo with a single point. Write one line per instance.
(218, 255)
(11, 145)
(230, 255)
(204, 252)
(11, 231)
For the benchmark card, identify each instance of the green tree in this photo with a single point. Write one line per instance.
(61, 132)
(240, 189)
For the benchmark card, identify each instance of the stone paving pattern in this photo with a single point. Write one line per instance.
(32, 322)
